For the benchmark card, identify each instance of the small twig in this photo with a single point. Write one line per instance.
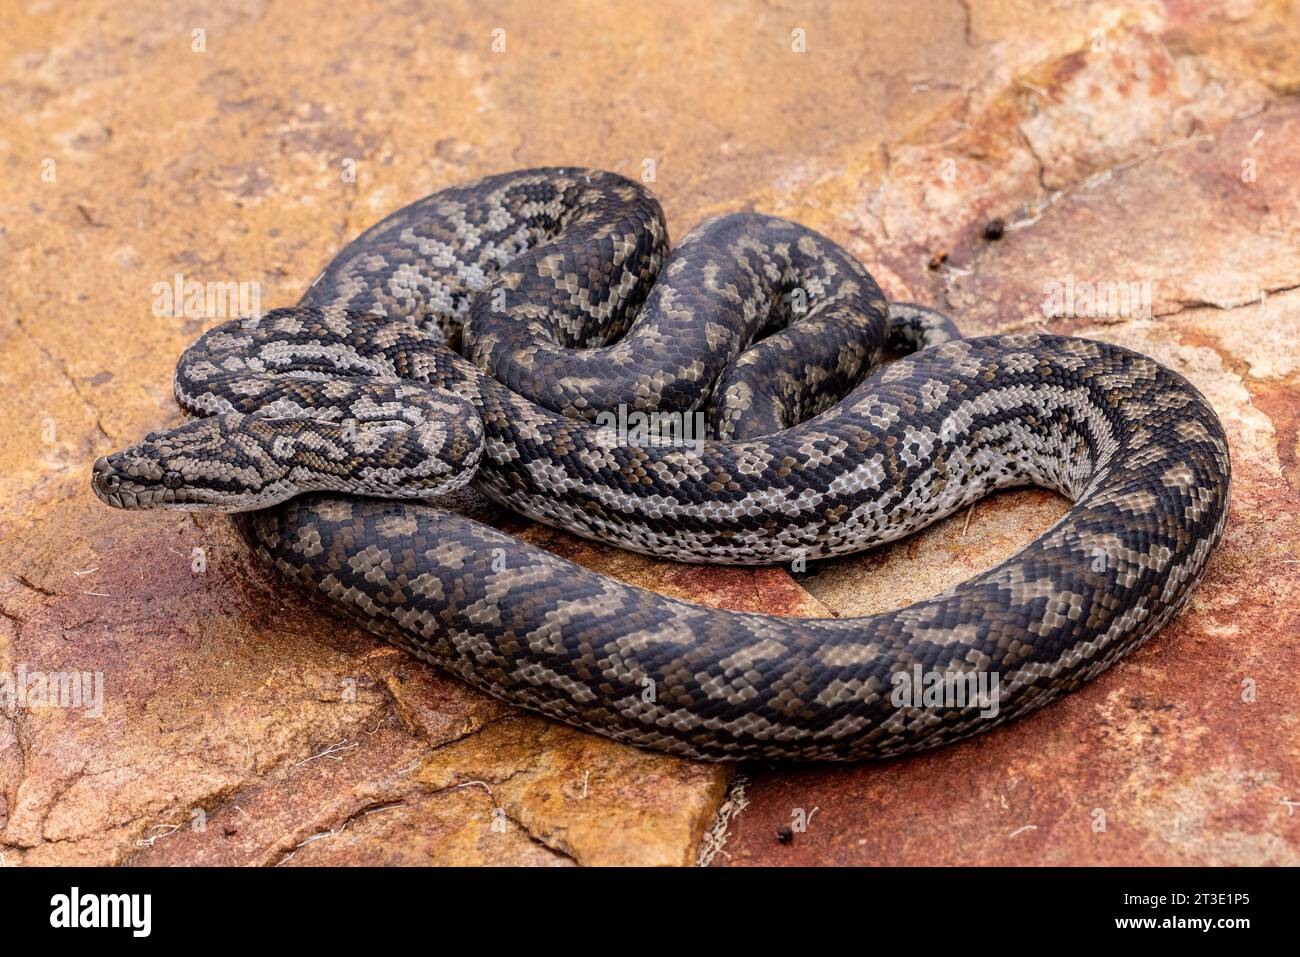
(966, 524)
(335, 832)
(331, 752)
(168, 830)
(1026, 85)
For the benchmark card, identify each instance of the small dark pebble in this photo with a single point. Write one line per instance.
(938, 259)
(994, 229)
(785, 835)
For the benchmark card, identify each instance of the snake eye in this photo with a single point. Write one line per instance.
(173, 479)
(111, 481)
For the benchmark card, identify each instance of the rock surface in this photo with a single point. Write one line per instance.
(1141, 143)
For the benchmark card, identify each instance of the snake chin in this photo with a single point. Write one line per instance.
(156, 500)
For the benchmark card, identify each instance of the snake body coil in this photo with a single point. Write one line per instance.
(559, 282)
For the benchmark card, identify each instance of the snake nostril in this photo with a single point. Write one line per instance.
(111, 481)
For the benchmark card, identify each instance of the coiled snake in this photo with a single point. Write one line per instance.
(313, 423)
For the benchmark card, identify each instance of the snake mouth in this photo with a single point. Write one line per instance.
(113, 490)
(119, 499)
(149, 498)
(123, 491)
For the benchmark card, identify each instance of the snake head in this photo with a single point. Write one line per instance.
(236, 462)
(205, 464)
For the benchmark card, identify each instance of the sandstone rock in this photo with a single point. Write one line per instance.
(243, 725)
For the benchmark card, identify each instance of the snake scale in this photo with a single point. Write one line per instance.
(481, 333)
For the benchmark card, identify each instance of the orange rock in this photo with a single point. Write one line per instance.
(242, 725)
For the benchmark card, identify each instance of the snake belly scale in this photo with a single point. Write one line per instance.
(323, 426)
